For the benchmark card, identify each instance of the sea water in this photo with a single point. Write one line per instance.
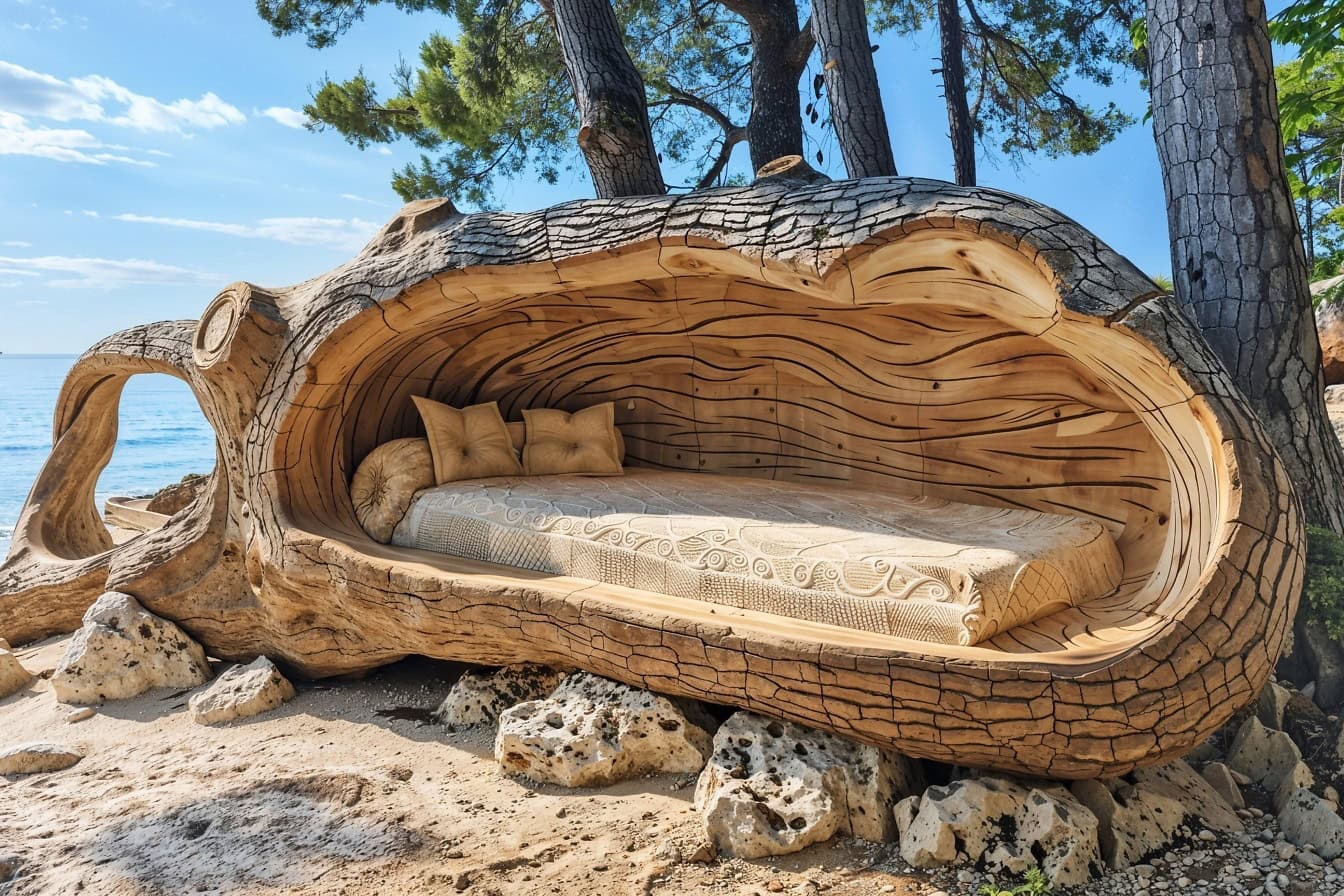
(161, 435)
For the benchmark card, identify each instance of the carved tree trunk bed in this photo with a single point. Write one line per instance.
(896, 336)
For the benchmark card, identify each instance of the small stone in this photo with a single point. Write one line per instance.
(1271, 703)
(480, 695)
(240, 693)
(79, 715)
(1221, 779)
(33, 758)
(13, 677)
(704, 854)
(1263, 754)
(122, 650)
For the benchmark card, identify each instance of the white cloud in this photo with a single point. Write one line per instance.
(355, 197)
(384, 151)
(25, 92)
(16, 244)
(290, 118)
(332, 233)
(65, 272)
(19, 138)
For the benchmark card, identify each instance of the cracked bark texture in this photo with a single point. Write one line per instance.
(779, 51)
(890, 334)
(614, 135)
(960, 127)
(1237, 257)
(841, 31)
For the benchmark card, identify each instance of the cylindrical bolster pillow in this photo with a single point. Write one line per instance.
(386, 481)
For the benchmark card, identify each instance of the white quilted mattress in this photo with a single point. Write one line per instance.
(921, 568)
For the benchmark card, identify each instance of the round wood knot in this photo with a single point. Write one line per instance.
(225, 319)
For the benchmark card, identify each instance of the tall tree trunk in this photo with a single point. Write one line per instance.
(841, 30)
(779, 50)
(614, 132)
(960, 128)
(1237, 258)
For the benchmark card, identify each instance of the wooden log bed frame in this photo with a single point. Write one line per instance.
(894, 335)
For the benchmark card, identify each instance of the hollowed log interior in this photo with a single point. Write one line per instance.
(898, 381)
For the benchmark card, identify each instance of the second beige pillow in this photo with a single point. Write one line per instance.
(584, 442)
(467, 443)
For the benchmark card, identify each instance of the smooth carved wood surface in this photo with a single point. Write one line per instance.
(890, 334)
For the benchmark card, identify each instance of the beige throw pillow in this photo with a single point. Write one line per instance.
(518, 435)
(583, 442)
(467, 443)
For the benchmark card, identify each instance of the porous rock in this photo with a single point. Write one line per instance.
(28, 759)
(172, 498)
(1001, 825)
(480, 695)
(773, 787)
(13, 677)
(593, 731)
(122, 650)
(1308, 819)
(241, 692)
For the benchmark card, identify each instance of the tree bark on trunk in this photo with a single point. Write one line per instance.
(960, 128)
(841, 31)
(1237, 256)
(614, 132)
(779, 50)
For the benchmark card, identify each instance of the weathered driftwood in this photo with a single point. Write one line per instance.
(892, 334)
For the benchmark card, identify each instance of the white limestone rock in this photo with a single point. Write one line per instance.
(1262, 754)
(480, 695)
(240, 693)
(773, 788)
(1308, 819)
(29, 759)
(122, 650)
(1222, 780)
(1003, 826)
(594, 731)
(13, 677)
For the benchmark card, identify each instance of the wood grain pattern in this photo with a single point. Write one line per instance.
(892, 334)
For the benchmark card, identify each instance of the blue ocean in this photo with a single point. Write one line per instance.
(161, 437)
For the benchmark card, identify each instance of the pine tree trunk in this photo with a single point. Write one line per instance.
(777, 59)
(841, 30)
(1237, 257)
(959, 126)
(614, 132)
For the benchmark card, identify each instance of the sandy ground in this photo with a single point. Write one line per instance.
(351, 789)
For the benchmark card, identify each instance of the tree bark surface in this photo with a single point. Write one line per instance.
(1237, 257)
(841, 30)
(778, 53)
(614, 131)
(960, 128)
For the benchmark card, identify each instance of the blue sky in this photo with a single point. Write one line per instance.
(149, 155)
